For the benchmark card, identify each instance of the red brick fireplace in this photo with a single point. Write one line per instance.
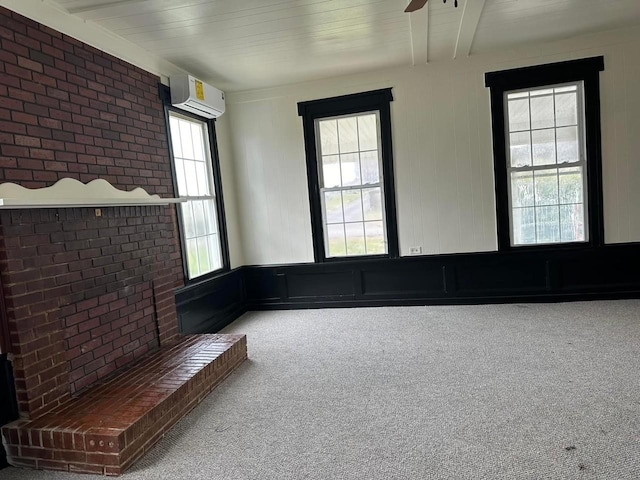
(87, 292)
(84, 295)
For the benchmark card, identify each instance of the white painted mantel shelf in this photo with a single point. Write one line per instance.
(69, 192)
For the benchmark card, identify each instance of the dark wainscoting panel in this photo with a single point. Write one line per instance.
(8, 406)
(534, 275)
(546, 274)
(209, 306)
(399, 281)
(500, 275)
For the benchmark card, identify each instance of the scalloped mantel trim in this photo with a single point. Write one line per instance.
(69, 192)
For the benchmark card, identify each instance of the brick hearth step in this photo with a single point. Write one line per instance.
(108, 427)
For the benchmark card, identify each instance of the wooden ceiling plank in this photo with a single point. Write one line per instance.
(468, 26)
(101, 7)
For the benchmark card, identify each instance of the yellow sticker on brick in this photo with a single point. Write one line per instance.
(199, 90)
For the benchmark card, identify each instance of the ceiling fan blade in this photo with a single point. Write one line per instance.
(415, 5)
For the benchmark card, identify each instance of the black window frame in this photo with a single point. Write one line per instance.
(310, 111)
(587, 71)
(165, 95)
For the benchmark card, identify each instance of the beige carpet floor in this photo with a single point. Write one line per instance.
(535, 391)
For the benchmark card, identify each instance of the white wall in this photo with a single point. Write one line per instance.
(442, 150)
(229, 180)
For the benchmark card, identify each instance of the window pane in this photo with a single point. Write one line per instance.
(355, 238)
(198, 145)
(519, 115)
(524, 225)
(548, 224)
(203, 184)
(185, 139)
(211, 216)
(546, 187)
(333, 207)
(522, 189)
(568, 149)
(191, 178)
(331, 171)
(187, 219)
(352, 201)
(542, 113)
(198, 218)
(204, 260)
(566, 109)
(544, 146)
(372, 203)
(370, 167)
(348, 134)
(520, 149)
(182, 182)
(336, 240)
(375, 238)
(572, 223)
(570, 183)
(328, 137)
(174, 126)
(215, 251)
(192, 258)
(350, 165)
(368, 132)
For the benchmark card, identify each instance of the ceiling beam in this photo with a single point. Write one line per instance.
(419, 28)
(468, 26)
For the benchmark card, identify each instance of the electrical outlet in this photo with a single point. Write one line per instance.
(415, 250)
(98, 212)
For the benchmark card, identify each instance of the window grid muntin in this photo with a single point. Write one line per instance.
(343, 188)
(210, 237)
(582, 160)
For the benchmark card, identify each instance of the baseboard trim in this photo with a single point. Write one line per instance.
(556, 298)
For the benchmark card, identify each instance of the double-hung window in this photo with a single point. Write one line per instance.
(193, 160)
(351, 187)
(546, 132)
(547, 169)
(350, 175)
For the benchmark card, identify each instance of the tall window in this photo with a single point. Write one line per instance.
(350, 175)
(192, 154)
(547, 165)
(351, 188)
(546, 139)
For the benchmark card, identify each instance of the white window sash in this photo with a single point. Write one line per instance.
(361, 187)
(582, 162)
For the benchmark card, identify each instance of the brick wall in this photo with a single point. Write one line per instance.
(84, 294)
(70, 110)
(106, 332)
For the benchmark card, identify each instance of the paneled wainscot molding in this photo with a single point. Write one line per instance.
(69, 192)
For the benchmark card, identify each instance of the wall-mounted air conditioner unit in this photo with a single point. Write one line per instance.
(195, 96)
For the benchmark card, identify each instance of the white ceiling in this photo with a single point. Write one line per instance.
(244, 44)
